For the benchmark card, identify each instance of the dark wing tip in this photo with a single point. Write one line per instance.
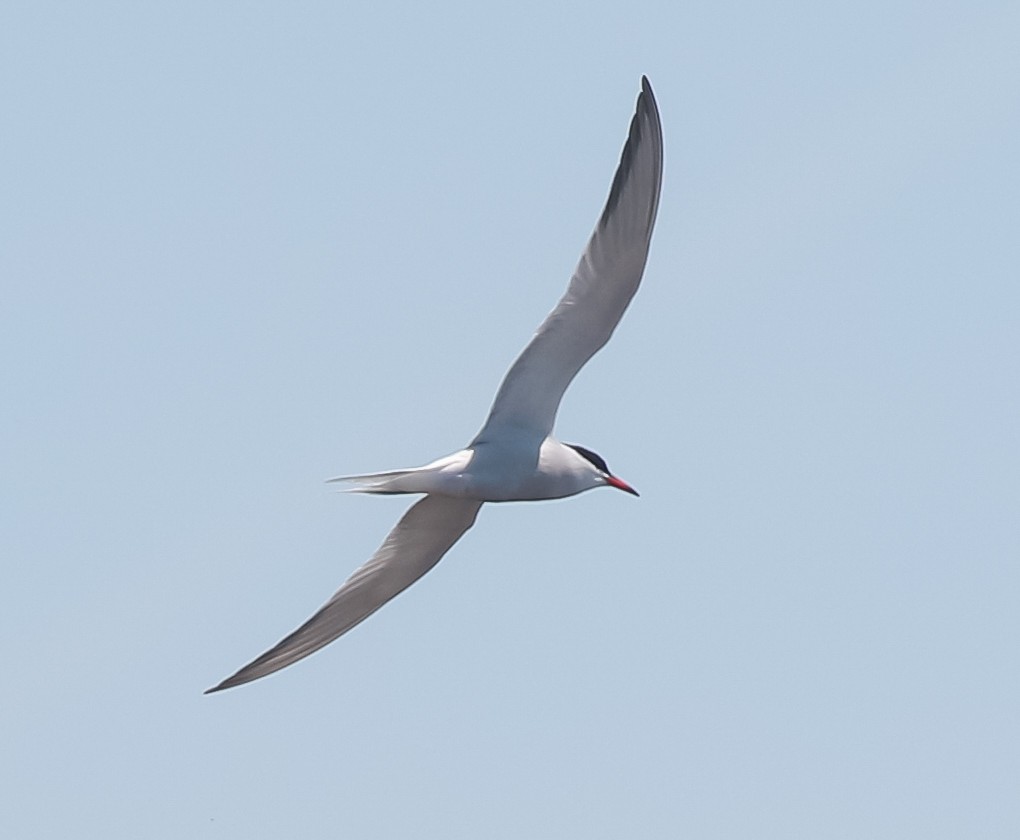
(645, 127)
(264, 665)
(647, 96)
(250, 672)
(227, 683)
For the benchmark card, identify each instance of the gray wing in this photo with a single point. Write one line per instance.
(602, 286)
(425, 533)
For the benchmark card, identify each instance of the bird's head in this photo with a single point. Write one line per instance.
(599, 466)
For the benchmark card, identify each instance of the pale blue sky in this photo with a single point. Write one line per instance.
(245, 247)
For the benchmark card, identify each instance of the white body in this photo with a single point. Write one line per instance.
(517, 468)
(515, 456)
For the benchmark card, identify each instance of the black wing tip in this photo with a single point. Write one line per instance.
(647, 97)
(227, 683)
(254, 670)
(645, 125)
(234, 680)
(245, 675)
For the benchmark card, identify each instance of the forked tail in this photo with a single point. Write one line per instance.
(443, 476)
(381, 483)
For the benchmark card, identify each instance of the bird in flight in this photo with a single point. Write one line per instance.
(515, 456)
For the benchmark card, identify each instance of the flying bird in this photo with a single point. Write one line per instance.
(515, 456)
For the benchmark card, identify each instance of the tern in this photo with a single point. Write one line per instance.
(515, 456)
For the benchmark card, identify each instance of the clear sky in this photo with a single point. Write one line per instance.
(245, 247)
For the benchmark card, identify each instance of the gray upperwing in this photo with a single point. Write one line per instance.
(602, 286)
(423, 535)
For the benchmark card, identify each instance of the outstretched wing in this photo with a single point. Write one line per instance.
(603, 284)
(425, 533)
